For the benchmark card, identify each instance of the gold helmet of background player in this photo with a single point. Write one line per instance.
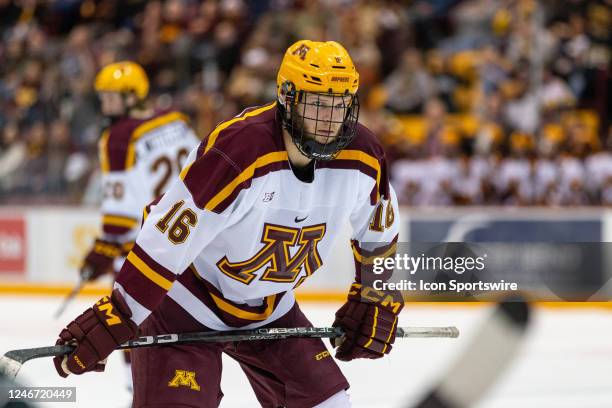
(123, 77)
(319, 68)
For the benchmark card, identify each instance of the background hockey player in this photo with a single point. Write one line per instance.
(140, 152)
(254, 213)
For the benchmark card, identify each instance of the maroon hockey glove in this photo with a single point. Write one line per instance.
(96, 333)
(99, 260)
(369, 321)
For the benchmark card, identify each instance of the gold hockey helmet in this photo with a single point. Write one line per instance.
(123, 77)
(321, 69)
(315, 66)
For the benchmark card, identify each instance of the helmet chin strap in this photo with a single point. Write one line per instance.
(311, 148)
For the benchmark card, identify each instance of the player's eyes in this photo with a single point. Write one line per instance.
(321, 104)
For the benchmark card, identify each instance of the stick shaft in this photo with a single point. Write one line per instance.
(75, 291)
(423, 332)
(276, 334)
(11, 362)
(68, 299)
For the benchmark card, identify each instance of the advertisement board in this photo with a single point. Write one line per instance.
(13, 244)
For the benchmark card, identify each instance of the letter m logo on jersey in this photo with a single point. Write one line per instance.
(280, 243)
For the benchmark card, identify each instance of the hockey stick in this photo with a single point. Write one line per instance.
(487, 357)
(11, 362)
(75, 291)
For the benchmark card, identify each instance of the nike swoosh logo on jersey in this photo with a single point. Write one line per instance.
(300, 219)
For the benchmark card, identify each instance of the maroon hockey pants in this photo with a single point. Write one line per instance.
(291, 373)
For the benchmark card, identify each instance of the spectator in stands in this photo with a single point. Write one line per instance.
(514, 176)
(433, 72)
(12, 155)
(410, 85)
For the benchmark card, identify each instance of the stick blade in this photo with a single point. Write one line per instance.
(488, 355)
(11, 362)
(9, 367)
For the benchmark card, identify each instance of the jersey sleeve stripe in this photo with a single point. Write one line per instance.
(144, 279)
(139, 312)
(368, 259)
(148, 208)
(185, 170)
(119, 221)
(212, 138)
(115, 231)
(141, 288)
(159, 121)
(103, 149)
(244, 176)
(145, 213)
(364, 260)
(160, 269)
(147, 271)
(127, 246)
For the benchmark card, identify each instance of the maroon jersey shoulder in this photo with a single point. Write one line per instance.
(116, 139)
(114, 144)
(367, 142)
(244, 136)
(236, 151)
(366, 155)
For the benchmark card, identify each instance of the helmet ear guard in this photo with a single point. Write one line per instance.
(287, 93)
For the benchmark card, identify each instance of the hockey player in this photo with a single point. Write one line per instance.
(255, 213)
(140, 153)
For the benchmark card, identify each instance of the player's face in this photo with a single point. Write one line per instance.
(112, 103)
(323, 115)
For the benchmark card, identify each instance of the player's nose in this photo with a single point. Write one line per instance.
(325, 113)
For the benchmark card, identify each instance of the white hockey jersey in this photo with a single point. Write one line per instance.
(238, 231)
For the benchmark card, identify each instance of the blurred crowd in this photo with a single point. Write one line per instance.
(504, 102)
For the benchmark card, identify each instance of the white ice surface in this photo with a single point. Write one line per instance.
(566, 361)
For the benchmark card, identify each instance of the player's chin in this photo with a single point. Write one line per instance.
(325, 137)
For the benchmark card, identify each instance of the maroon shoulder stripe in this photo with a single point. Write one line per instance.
(208, 175)
(236, 147)
(259, 172)
(118, 142)
(358, 166)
